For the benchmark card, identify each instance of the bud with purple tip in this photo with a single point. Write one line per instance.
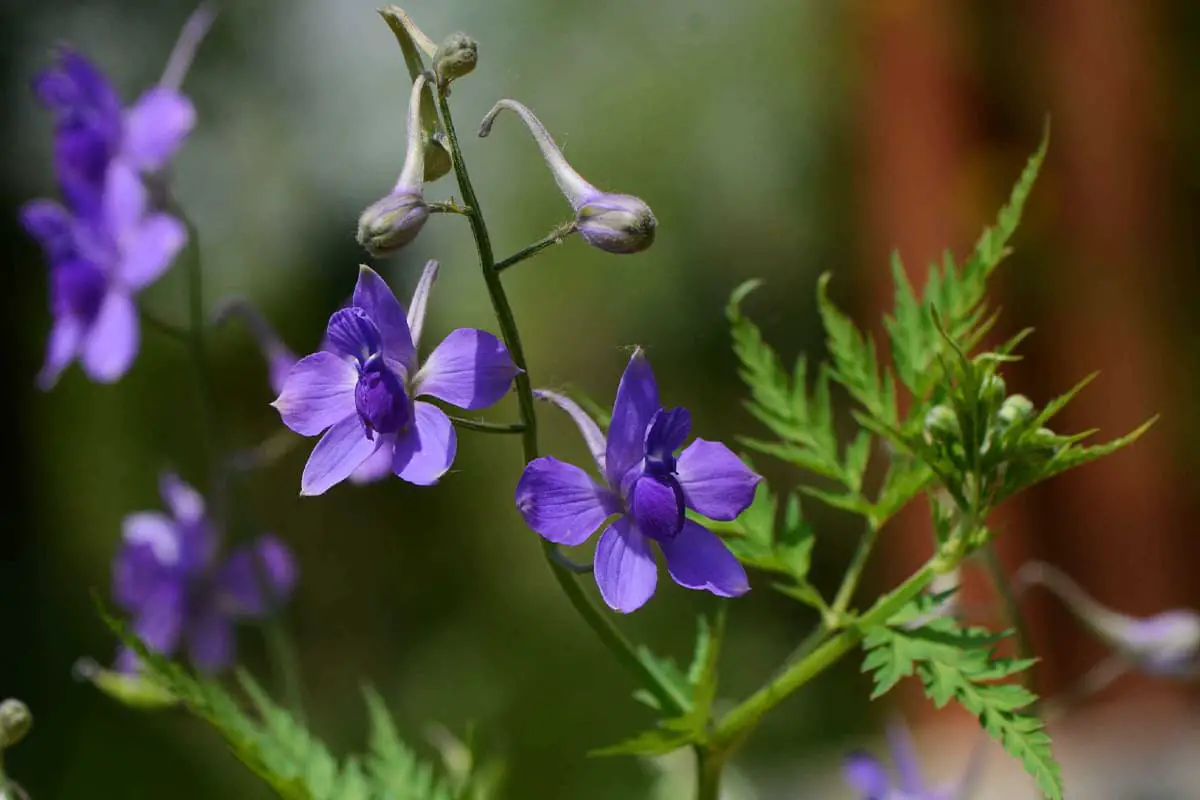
(395, 220)
(1162, 645)
(614, 223)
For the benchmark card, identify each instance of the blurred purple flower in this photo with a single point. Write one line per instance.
(106, 243)
(364, 387)
(92, 129)
(647, 488)
(167, 576)
(97, 266)
(867, 775)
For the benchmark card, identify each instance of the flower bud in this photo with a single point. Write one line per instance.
(1044, 439)
(941, 425)
(1163, 645)
(992, 390)
(614, 223)
(1014, 409)
(413, 45)
(456, 56)
(394, 221)
(15, 722)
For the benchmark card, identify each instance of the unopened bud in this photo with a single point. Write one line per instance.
(993, 390)
(1044, 439)
(941, 425)
(15, 722)
(614, 223)
(456, 56)
(394, 221)
(1014, 409)
(390, 223)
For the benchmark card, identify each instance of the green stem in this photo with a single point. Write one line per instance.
(737, 724)
(604, 630)
(285, 664)
(554, 237)
(1012, 609)
(488, 427)
(812, 641)
(164, 327)
(709, 765)
(858, 562)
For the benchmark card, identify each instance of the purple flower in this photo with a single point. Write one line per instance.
(614, 223)
(92, 129)
(364, 388)
(646, 488)
(97, 266)
(867, 775)
(168, 577)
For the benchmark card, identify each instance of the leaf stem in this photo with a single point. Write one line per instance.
(862, 552)
(709, 765)
(604, 630)
(488, 427)
(549, 240)
(1012, 609)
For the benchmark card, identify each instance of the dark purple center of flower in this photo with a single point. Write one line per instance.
(655, 498)
(380, 399)
(76, 290)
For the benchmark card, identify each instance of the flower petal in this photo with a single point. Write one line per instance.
(866, 776)
(716, 483)
(160, 620)
(634, 408)
(150, 249)
(561, 502)
(904, 759)
(125, 200)
(469, 369)
(375, 297)
(698, 559)
(210, 639)
(375, 468)
(341, 450)
(156, 126)
(52, 226)
(426, 450)
(656, 505)
(590, 431)
(137, 576)
(184, 502)
(625, 569)
(156, 531)
(351, 333)
(420, 299)
(318, 393)
(111, 343)
(61, 349)
(267, 562)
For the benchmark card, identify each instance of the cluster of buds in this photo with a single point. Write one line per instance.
(614, 223)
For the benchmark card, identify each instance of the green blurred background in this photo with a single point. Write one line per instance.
(774, 139)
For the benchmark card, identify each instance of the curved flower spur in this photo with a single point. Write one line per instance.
(645, 493)
(871, 780)
(364, 388)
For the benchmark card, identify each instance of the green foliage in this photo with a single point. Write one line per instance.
(956, 663)
(696, 689)
(281, 751)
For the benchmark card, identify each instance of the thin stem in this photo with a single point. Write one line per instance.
(737, 724)
(708, 773)
(554, 237)
(858, 562)
(162, 326)
(1012, 609)
(578, 569)
(270, 450)
(285, 664)
(605, 631)
(488, 427)
(815, 638)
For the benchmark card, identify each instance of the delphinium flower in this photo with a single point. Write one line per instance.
(392, 222)
(170, 578)
(364, 388)
(1162, 645)
(867, 775)
(615, 223)
(646, 487)
(106, 242)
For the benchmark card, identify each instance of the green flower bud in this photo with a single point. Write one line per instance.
(455, 57)
(1014, 409)
(993, 390)
(15, 722)
(1044, 439)
(941, 425)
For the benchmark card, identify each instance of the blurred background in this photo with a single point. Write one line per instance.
(774, 139)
